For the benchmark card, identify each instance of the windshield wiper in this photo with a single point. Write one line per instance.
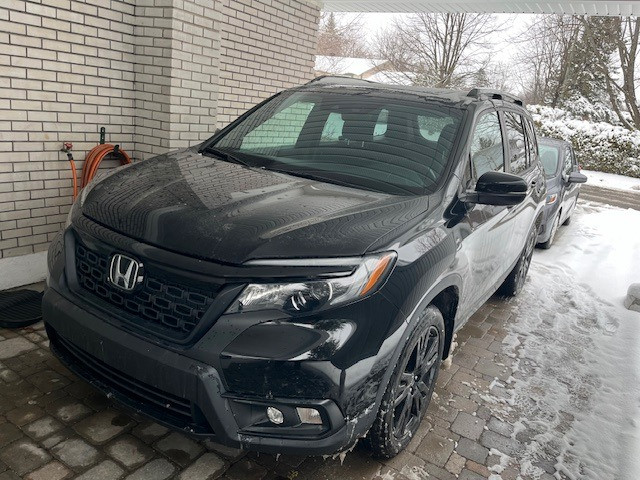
(313, 176)
(230, 157)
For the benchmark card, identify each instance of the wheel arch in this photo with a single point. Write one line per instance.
(446, 294)
(447, 302)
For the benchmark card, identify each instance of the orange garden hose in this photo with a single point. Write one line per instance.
(92, 162)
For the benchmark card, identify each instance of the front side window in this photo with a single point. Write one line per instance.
(396, 144)
(568, 162)
(517, 145)
(487, 152)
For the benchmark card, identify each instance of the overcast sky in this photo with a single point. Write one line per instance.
(504, 44)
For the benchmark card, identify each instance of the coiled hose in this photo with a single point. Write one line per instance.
(92, 162)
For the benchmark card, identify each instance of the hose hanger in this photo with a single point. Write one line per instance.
(92, 160)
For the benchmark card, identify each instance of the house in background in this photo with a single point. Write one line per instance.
(374, 69)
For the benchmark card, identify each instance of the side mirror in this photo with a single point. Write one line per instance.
(217, 131)
(576, 177)
(498, 188)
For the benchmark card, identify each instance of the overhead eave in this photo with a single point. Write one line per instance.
(594, 7)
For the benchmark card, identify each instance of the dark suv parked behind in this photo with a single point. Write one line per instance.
(294, 282)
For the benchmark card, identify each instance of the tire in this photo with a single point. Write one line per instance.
(567, 221)
(410, 388)
(554, 229)
(515, 281)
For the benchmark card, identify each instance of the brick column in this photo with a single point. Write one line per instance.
(177, 48)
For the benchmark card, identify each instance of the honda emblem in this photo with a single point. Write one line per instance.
(125, 272)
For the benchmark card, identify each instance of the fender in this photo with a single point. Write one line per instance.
(451, 280)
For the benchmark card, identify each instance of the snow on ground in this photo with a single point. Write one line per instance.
(577, 349)
(610, 180)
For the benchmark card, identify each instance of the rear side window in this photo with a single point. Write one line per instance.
(430, 126)
(517, 145)
(332, 130)
(381, 124)
(532, 144)
(487, 153)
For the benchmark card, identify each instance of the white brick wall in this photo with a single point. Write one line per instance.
(66, 69)
(266, 46)
(158, 74)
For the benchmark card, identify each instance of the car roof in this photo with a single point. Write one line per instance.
(454, 96)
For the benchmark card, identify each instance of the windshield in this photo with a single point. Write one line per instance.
(371, 141)
(549, 157)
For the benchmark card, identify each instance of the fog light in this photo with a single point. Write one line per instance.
(275, 415)
(309, 415)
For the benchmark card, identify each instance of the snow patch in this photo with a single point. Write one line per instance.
(632, 302)
(576, 391)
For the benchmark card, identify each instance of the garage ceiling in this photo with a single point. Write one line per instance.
(594, 7)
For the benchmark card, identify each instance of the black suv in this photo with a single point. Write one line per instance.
(293, 283)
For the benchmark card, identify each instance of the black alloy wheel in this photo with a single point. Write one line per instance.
(415, 386)
(411, 386)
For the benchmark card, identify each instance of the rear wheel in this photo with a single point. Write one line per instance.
(515, 281)
(411, 386)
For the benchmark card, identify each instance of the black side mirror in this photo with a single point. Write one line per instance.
(498, 188)
(576, 177)
(217, 131)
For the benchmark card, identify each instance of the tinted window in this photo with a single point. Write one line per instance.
(532, 144)
(568, 162)
(381, 124)
(517, 145)
(487, 152)
(432, 125)
(283, 128)
(549, 156)
(395, 144)
(332, 130)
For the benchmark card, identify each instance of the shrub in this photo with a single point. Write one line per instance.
(599, 146)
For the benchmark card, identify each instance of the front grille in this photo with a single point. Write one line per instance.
(164, 406)
(157, 305)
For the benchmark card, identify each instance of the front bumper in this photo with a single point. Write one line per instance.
(181, 392)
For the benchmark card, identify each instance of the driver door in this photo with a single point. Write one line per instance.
(490, 226)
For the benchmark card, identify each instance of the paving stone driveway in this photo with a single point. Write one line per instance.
(54, 426)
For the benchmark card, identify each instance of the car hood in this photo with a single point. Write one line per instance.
(208, 208)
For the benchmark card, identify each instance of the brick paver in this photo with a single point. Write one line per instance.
(53, 425)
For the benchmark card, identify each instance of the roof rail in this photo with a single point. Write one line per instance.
(338, 79)
(487, 93)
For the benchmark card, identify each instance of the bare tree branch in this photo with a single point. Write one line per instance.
(438, 49)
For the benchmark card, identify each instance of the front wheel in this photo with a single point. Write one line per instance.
(515, 281)
(411, 386)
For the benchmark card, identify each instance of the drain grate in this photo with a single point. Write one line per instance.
(19, 308)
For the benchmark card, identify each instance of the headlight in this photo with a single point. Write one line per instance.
(551, 199)
(302, 297)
